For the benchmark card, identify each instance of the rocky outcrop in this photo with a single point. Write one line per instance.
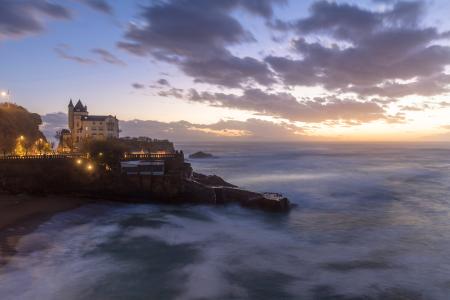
(215, 190)
(211, 180)
(201, 154)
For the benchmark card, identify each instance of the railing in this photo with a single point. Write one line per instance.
(152, 156)
(42, 157)
(147, 156)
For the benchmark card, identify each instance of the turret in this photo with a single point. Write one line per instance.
(70, 114)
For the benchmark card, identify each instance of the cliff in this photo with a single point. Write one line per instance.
(178, 185)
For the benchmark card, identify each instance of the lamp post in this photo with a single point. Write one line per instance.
(6, 94)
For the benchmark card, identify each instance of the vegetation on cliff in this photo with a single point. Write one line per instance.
(19, 129)
(148, 145)
(106, 152)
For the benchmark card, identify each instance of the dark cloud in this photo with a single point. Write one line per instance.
(370, 51)
(180, 32)
(288, 107)
(228, 70)
(63, 52)
(99, 5)
(108, 57)
(163, 81)
(344, 21)
(138, 86)
(173, 92)
(24, 17)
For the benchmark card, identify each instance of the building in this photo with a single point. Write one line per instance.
(88, 127)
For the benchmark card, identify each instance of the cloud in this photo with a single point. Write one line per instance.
(163, 81)
(180, 32)
(53, 122)
(249, 130)
(368, 53)
(428, 86)
(286, 106)
(21, 18)
(108, 57)
(172, 92)
(99, 5)
(62, 51)
(138, 86)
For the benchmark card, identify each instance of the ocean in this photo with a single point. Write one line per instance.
(371, 221)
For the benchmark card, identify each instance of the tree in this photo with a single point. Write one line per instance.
(65, 141)
(108, 152)
(16, 121)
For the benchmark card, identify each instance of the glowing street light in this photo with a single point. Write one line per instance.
(79, 161)
(6, 94)
(90, 167)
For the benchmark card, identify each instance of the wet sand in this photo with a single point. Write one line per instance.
(21, 214)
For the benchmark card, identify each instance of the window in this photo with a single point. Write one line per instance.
(110, 126)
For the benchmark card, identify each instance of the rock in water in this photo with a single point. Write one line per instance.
(201, 154)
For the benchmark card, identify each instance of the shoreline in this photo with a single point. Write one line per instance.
(22, 214)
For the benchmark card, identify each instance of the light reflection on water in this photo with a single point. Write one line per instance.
(372, 222)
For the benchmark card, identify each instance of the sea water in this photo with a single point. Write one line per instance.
(372, 221)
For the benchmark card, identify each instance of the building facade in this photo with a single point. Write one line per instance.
(84, 127)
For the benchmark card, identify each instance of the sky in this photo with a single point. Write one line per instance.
(373, 70)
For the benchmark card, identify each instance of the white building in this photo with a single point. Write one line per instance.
(85, 127)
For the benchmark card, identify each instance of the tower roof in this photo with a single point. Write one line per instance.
(79, 107)
(70, 103)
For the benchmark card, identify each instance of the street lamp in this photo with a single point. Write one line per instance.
(6, 94)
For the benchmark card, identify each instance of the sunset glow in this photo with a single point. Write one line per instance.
(377, 72)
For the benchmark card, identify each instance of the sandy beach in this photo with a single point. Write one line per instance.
(21, 214)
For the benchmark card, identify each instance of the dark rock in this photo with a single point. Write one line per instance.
(201, 154)
(211, 180)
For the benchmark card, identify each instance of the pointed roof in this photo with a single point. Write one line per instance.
(70, 103)
(79, 107)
